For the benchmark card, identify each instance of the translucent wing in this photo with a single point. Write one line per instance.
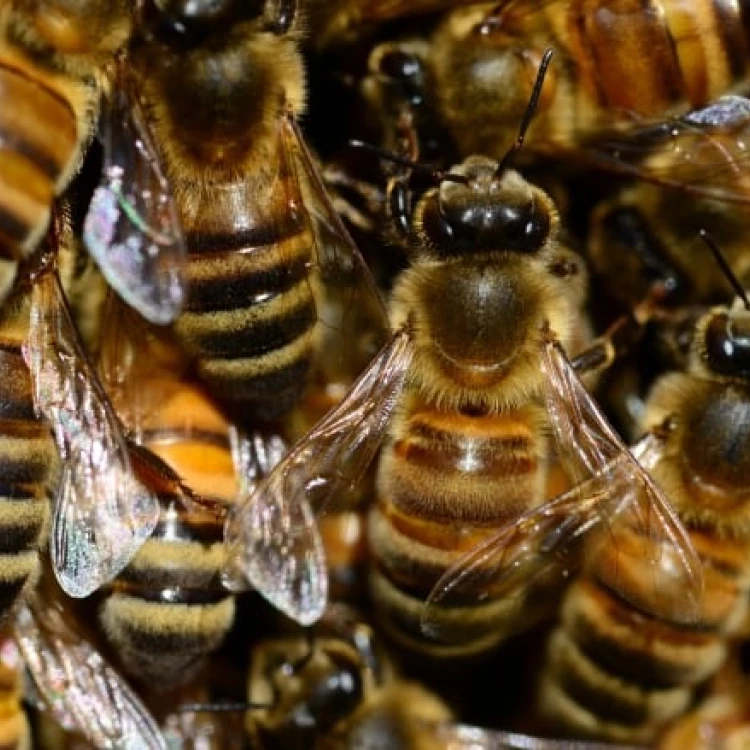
(704, 152)
(78, 686)
(272, 537)
(465, 737)
(102, 514)
(355, 322)
(131, 228)
(644, 535)
(614, 519)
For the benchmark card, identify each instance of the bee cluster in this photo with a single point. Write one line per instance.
(315, 320)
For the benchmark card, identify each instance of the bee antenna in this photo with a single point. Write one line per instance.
(438, 175)
(725, 269)
(536, 92)
(224, 707)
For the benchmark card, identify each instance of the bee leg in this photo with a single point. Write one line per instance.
(622, 335)
(305, 659)
(285, 12)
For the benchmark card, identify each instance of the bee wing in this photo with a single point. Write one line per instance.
(465, 737)
(355, 322)
(78, 686)
(132, 228)
(643, 531)
(102, 514)
(703, 153)
(614, 519)
(271, 533)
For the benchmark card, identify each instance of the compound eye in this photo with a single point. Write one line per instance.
(727, 346)
(188, 23)
(523, 229)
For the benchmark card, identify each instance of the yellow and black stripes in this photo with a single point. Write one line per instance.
(27, 464)
(168, 609)
(250, 317)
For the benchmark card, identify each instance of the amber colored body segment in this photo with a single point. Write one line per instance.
(618, 673)
(51, 78)
(168, 609)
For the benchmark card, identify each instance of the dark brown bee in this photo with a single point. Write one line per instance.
(222, 85)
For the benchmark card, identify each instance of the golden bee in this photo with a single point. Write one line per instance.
(262, 241)
(620, 664)
(467, 391)
(53, 60)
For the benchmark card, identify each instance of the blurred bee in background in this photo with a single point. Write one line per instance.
(461, 397)
(15, 732)
(341, 692)
(53, 60)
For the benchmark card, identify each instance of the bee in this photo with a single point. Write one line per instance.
(473, 380)
(168, 609)
(53, 57)
(646, 666)
(262, 240)
(338, 692)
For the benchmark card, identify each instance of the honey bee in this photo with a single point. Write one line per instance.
(473, 379)
(339, 693)
(263, 242)
(473, 71)
(646, 665)
(53, 57)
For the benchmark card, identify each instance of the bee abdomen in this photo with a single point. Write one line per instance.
(447, 483)
(39, 143)
(612, 665)
(655, 57)
(27, 461)
(251, 320)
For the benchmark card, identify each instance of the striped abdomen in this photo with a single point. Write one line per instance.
(620, 672)
(27, 461)
(40, 143)
(446, 481)
(168, 609)
(654, 58)
(250, 317)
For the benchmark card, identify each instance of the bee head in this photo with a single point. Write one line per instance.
(187, 23)
(476, 208)
(722, 343)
